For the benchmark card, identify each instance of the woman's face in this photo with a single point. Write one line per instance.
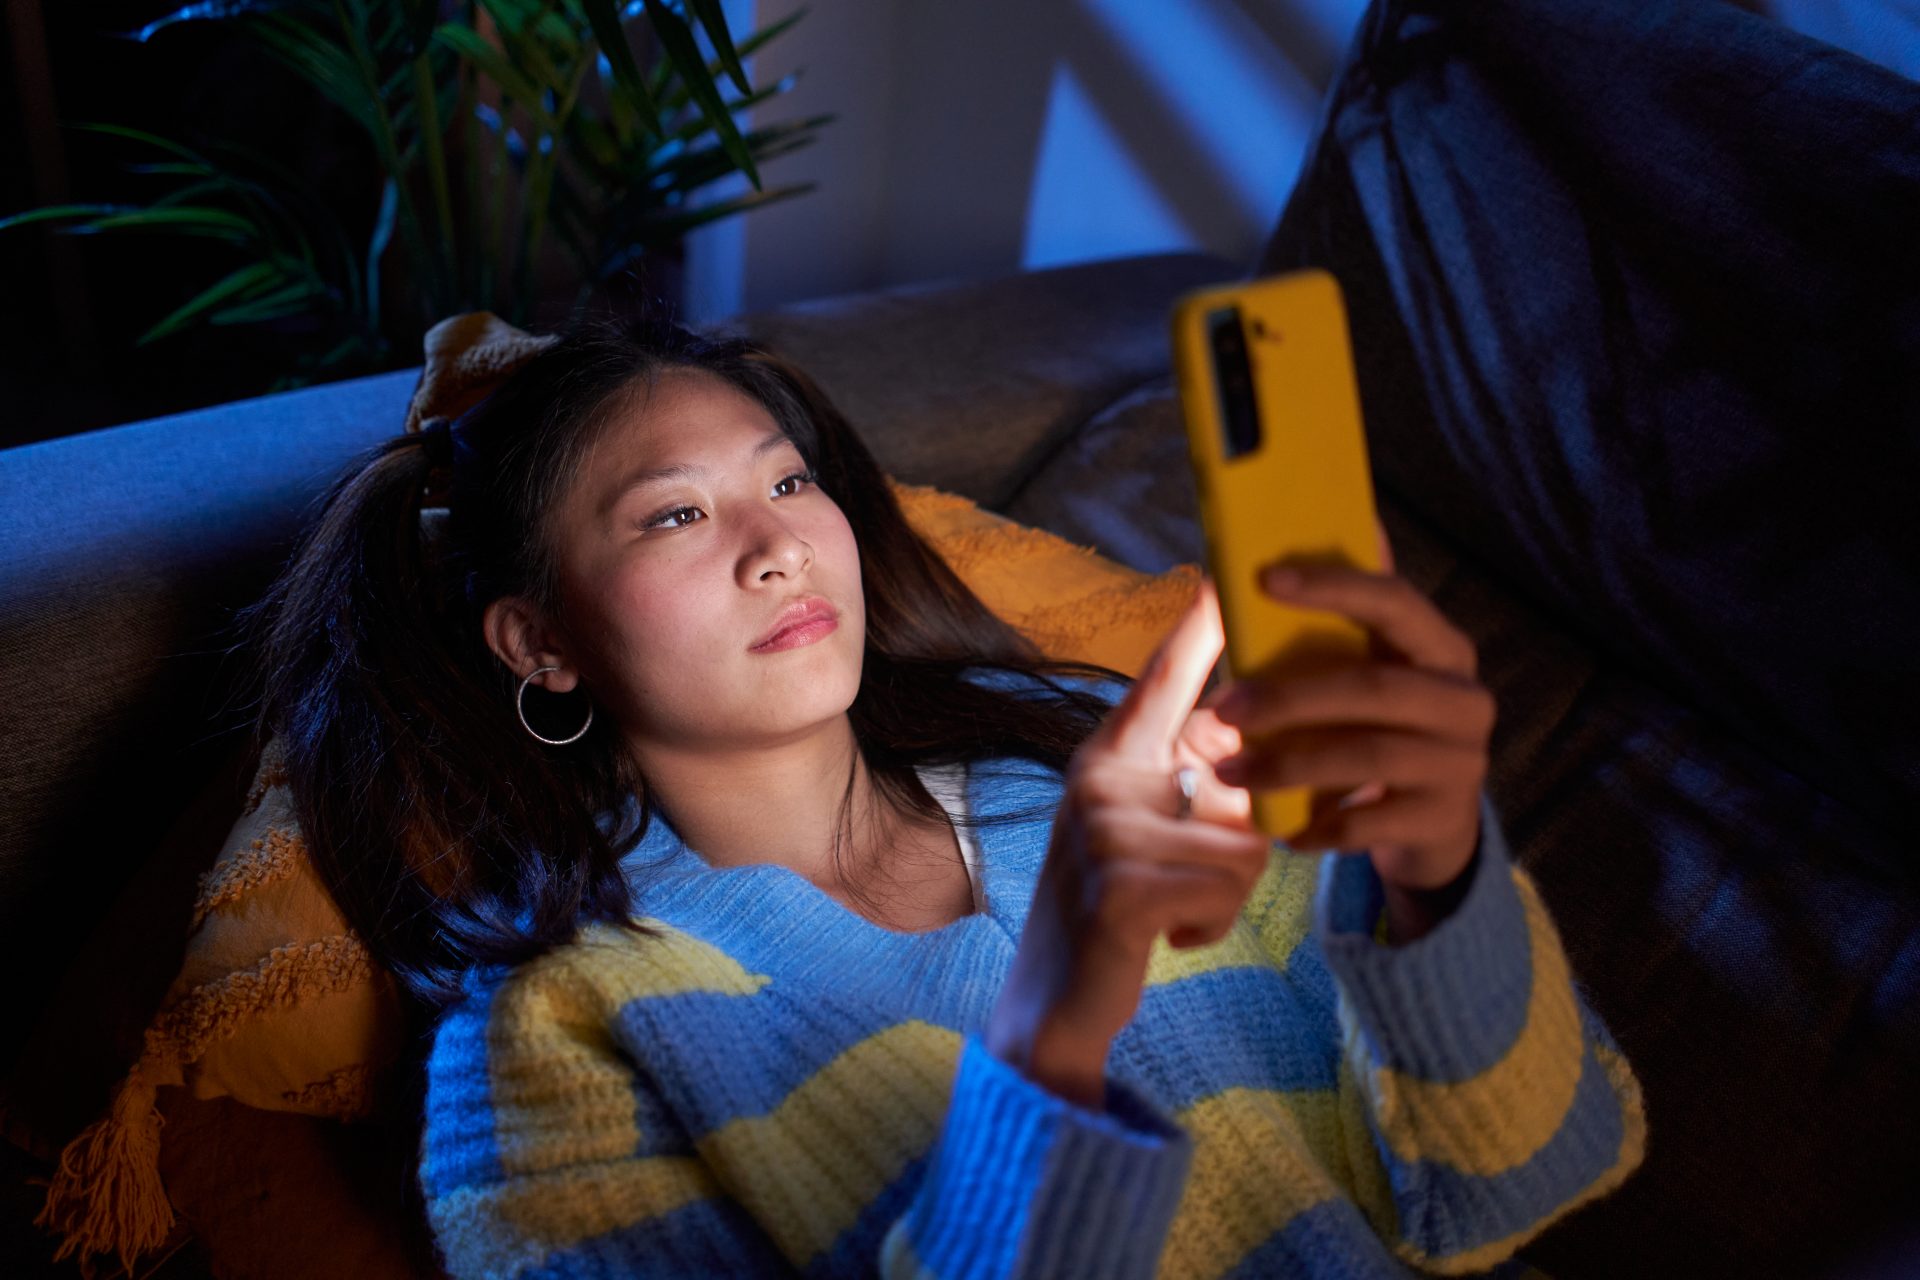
(693, 530)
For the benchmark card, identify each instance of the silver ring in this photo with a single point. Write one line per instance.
(519, 705)
(1187, 779)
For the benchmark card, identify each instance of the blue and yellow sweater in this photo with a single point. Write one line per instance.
(777, 1086)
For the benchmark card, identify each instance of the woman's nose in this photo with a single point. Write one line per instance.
(773, 546)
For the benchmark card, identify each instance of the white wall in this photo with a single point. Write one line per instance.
(984, 136)
(988, 136)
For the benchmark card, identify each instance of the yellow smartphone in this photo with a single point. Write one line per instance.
(1265, 374)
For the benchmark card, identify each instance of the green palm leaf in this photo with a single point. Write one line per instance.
(189, 193)
(470, 45)
(210, 10)
(602, 151)
(235, 282)
(57, 212)
(677, 43)
(700, 126)
(533, 17)
(193, 220)
(671, 100)
(290, 299)
(419, 17)
(178, 168)
(321, 63)
(672, 226)
(696, 168)
(141, 135)
(714, 21)
(604, 17)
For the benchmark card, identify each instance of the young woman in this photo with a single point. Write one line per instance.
(780, 910)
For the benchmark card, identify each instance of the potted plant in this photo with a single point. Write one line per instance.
(506, 134)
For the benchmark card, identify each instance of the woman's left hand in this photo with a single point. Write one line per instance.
(1395, 746)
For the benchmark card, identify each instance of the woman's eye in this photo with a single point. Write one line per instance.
(671, 518)
(665, 516)
(804, 477)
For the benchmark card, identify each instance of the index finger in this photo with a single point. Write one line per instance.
(1388, 606)
(1146, 722)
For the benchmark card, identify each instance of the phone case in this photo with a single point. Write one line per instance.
(1303, 492)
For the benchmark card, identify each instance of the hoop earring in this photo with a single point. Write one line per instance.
(519, 705)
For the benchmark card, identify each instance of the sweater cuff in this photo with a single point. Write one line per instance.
(1449, 1004)
(1023, 1182)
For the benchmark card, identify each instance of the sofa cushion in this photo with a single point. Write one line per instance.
(1639, 315)
(970, 385)
(1121, 483)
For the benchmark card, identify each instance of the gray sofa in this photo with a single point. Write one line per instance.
(1740, 909)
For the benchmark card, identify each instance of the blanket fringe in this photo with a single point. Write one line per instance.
(106, 1195)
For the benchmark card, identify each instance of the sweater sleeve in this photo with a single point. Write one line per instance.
(1024, 1183)
(548, 1152)
(1496, 1098)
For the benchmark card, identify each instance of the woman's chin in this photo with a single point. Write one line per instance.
(816, 681)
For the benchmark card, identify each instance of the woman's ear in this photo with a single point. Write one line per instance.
(523, 639)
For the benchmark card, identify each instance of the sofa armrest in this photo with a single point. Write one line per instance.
(970, 385)
(123, 552)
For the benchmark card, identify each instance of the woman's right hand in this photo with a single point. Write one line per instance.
(1122, 868)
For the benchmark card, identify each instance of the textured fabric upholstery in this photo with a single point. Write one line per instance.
(1641, 285)
(970, 386)
(123, 552)
(1631, 284)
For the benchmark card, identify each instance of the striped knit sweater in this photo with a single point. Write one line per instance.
(777, 1086)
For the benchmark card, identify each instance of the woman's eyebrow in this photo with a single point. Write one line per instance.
(682, 471)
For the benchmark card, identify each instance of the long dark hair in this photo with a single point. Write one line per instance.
(448, 836)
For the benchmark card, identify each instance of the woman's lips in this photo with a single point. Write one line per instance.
(803, 623)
